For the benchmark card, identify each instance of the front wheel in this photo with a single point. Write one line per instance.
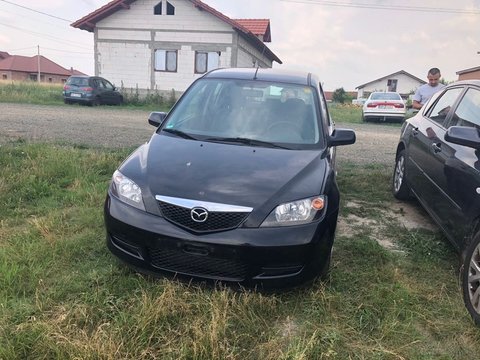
(400, 188)
(470, 276)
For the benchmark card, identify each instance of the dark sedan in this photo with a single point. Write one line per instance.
(237, 184)
(438, 161)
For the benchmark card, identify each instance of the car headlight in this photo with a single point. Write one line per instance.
(126, 190)
(296, 212)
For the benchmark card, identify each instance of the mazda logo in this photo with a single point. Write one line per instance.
(199, 215)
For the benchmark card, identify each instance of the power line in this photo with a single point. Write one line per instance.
(86, 47)
(39, 12)
(387, 7)
(67, 51)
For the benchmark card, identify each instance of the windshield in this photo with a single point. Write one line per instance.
(227, 109)
(77, 81)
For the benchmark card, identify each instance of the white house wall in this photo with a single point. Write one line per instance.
(405, 85)
(247, 54)
(125, 64)
(125, 44)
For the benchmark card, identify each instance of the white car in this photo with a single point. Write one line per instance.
(384, 106)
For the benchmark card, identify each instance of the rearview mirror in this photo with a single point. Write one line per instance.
(463, 135)
(156, 118)
(341, 137)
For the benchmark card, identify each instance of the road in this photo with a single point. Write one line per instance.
(111, 127)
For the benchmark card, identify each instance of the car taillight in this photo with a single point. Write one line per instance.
(372, 105)
(66, 87)
(399, 106)
(86, 89)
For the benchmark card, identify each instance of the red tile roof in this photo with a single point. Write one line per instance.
(89, 21)
(30, 64)
(259, 27)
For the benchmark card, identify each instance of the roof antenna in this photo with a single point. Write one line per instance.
(258, 62)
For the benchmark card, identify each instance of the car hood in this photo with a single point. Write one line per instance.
(225, 173)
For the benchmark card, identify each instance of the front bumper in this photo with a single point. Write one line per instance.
(269, 257)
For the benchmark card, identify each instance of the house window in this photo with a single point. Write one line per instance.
(392, 85)
(170, 9)
(206, 61)
(157, 10)
(49, 79)
(64, 81)
(33, 77)
(166, 60)
(4, 76)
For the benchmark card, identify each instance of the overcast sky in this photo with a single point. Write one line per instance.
(345, 42)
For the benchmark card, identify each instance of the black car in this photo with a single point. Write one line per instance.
(237, 184)
(91, 90)
(438, 161)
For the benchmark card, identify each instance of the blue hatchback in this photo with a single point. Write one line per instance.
(91, 90)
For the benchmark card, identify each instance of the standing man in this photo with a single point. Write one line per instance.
(425, 92)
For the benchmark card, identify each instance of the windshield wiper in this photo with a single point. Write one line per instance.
(246, 141)
(180, 133)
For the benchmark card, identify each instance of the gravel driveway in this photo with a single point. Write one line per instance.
(111, 127)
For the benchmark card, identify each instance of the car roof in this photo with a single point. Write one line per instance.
(466, 82)
(262, 74)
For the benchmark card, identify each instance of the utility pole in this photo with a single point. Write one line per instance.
(38, 63)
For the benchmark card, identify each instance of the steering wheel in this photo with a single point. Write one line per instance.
(292, 130)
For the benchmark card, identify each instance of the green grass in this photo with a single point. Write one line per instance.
(63, 295)
(51, 94)
(345, 113)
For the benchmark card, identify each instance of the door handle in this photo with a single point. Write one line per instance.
(415, 131)
(436, 147)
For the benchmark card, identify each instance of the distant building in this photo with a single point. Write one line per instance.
(400, 81)
(469, 74)
(25, 68)
(164, 45)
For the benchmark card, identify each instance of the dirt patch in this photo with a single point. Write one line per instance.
(408, 214)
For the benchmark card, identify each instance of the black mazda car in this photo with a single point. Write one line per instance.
(237, 184)
(438, 161)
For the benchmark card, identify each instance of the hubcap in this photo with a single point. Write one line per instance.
(399, 173)
(474, 279)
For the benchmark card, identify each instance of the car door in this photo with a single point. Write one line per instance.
(462, 172)
(427, 153)
(110, 95)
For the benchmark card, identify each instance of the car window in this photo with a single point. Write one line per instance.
(77, 81)
(446, 101)
(385, 96)
(106, 84)
(468, 110)
(258, 110)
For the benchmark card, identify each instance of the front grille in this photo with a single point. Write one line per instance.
(206, 266)
(216, 221)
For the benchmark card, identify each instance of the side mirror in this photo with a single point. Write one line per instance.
(341, 137)
(463, 135)
(156, 118)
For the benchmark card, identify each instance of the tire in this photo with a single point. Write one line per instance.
(120, 100)
(470, 278)
(400, 188)
(95, 102)
(66, 101)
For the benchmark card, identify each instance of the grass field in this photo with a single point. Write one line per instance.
(64, 296)
(46, 94)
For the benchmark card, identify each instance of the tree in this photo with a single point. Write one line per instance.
(340, 95)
